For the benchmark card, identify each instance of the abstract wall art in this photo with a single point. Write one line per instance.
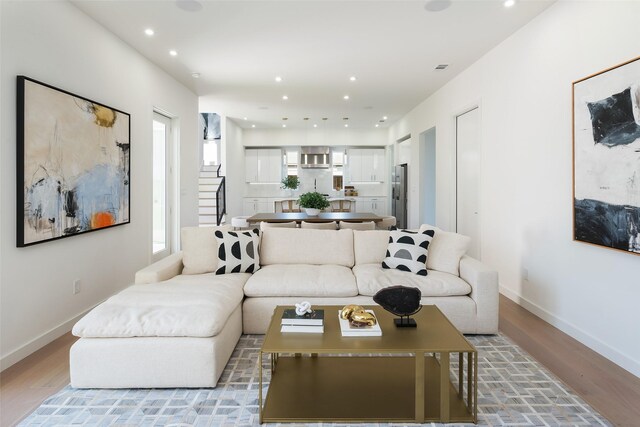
(73, 164)
(606, 158)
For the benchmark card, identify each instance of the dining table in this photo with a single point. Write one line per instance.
(321, 217)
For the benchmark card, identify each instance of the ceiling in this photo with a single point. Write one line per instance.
(238, 48)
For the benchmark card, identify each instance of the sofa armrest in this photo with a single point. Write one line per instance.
(484, 292)
(161, 270)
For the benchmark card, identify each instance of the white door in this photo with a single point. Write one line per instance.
(468, 178)
(161, 231)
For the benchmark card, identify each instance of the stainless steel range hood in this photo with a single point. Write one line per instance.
(315, 157)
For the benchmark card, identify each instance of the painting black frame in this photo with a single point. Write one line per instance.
(597, 209)
(21, 109)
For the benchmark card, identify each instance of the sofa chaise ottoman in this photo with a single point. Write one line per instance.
(176, 333)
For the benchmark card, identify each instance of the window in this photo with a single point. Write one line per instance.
(292, 162)
(337, 166)
(161, 220)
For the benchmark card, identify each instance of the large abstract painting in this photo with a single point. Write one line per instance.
(73, 164)
(606, 158)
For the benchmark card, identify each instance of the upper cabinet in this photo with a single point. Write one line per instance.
(366, 165)
(263, 165)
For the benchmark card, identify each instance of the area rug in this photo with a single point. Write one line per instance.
(513, 390)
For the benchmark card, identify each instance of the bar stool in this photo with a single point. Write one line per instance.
(341, 205)
(386, 223)
(288, 206)
(239, 222)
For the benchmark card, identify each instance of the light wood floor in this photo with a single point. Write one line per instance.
(611, 390)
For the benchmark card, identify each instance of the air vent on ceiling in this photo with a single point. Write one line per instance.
(442, 66)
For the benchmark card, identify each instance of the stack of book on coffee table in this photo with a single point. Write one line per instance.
(309, 323)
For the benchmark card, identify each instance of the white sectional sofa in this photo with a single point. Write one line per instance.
(178, 325)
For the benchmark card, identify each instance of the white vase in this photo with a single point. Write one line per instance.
(312, 212)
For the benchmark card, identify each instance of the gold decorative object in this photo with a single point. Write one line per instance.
(362, 318)
(347, 310)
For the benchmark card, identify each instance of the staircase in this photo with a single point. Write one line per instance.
(212, 197)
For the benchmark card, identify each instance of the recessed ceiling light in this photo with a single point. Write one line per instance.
(509, 3)
(353, 78)
(315, 125)
(253, 126)
(195, 75)
(149, 32)
(189, 5)
(245, 118)
(278, 79)
(346, 97)
(384, 117)
(284, 126)
(285, 97)
(346, 125)
(173, 53)
(437, 5)
(377, 125)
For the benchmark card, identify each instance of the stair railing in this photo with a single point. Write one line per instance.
(221, 198)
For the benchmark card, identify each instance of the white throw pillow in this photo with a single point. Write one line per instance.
(238, 251)
(199, 249)
(408, 251)
(446, 250)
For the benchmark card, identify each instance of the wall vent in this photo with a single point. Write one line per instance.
(442, 66)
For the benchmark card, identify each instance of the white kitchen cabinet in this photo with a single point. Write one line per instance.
(263, 165)
(366, 165)
(254, 205)
(377, 205)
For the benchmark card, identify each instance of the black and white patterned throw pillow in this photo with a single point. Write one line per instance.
(408, 251)
(237, 251)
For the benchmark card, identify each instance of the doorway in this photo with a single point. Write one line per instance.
(468, 178)
(161, 208)
(428, 177)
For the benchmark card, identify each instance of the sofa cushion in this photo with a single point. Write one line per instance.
(237, 251)
(299, 246)
(301, 280)
(369, 247)
(319, 225)
(370, 278)
(408, 250)
(264, 225)
(370, 225)
(446, 250)
(199, 249)
(184, 306)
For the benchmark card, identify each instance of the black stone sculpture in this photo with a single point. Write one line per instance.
(402, 301)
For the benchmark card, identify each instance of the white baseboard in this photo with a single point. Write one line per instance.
(39, 342)
(617, 357)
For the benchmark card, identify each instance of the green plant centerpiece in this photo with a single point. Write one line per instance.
(291, 182)
(313, 202)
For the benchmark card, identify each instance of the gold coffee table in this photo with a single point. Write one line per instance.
(402, 376)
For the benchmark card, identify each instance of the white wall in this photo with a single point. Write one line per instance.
(330, 137)
(523, 88)
(233, 166)
(56, 43)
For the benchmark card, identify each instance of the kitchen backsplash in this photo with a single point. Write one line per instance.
(323, 182)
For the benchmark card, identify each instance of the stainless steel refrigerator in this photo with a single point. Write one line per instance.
(399, 195)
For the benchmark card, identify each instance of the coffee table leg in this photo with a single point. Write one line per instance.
(419, 387)
(444, 387)
(260, 388)
(460, 372)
